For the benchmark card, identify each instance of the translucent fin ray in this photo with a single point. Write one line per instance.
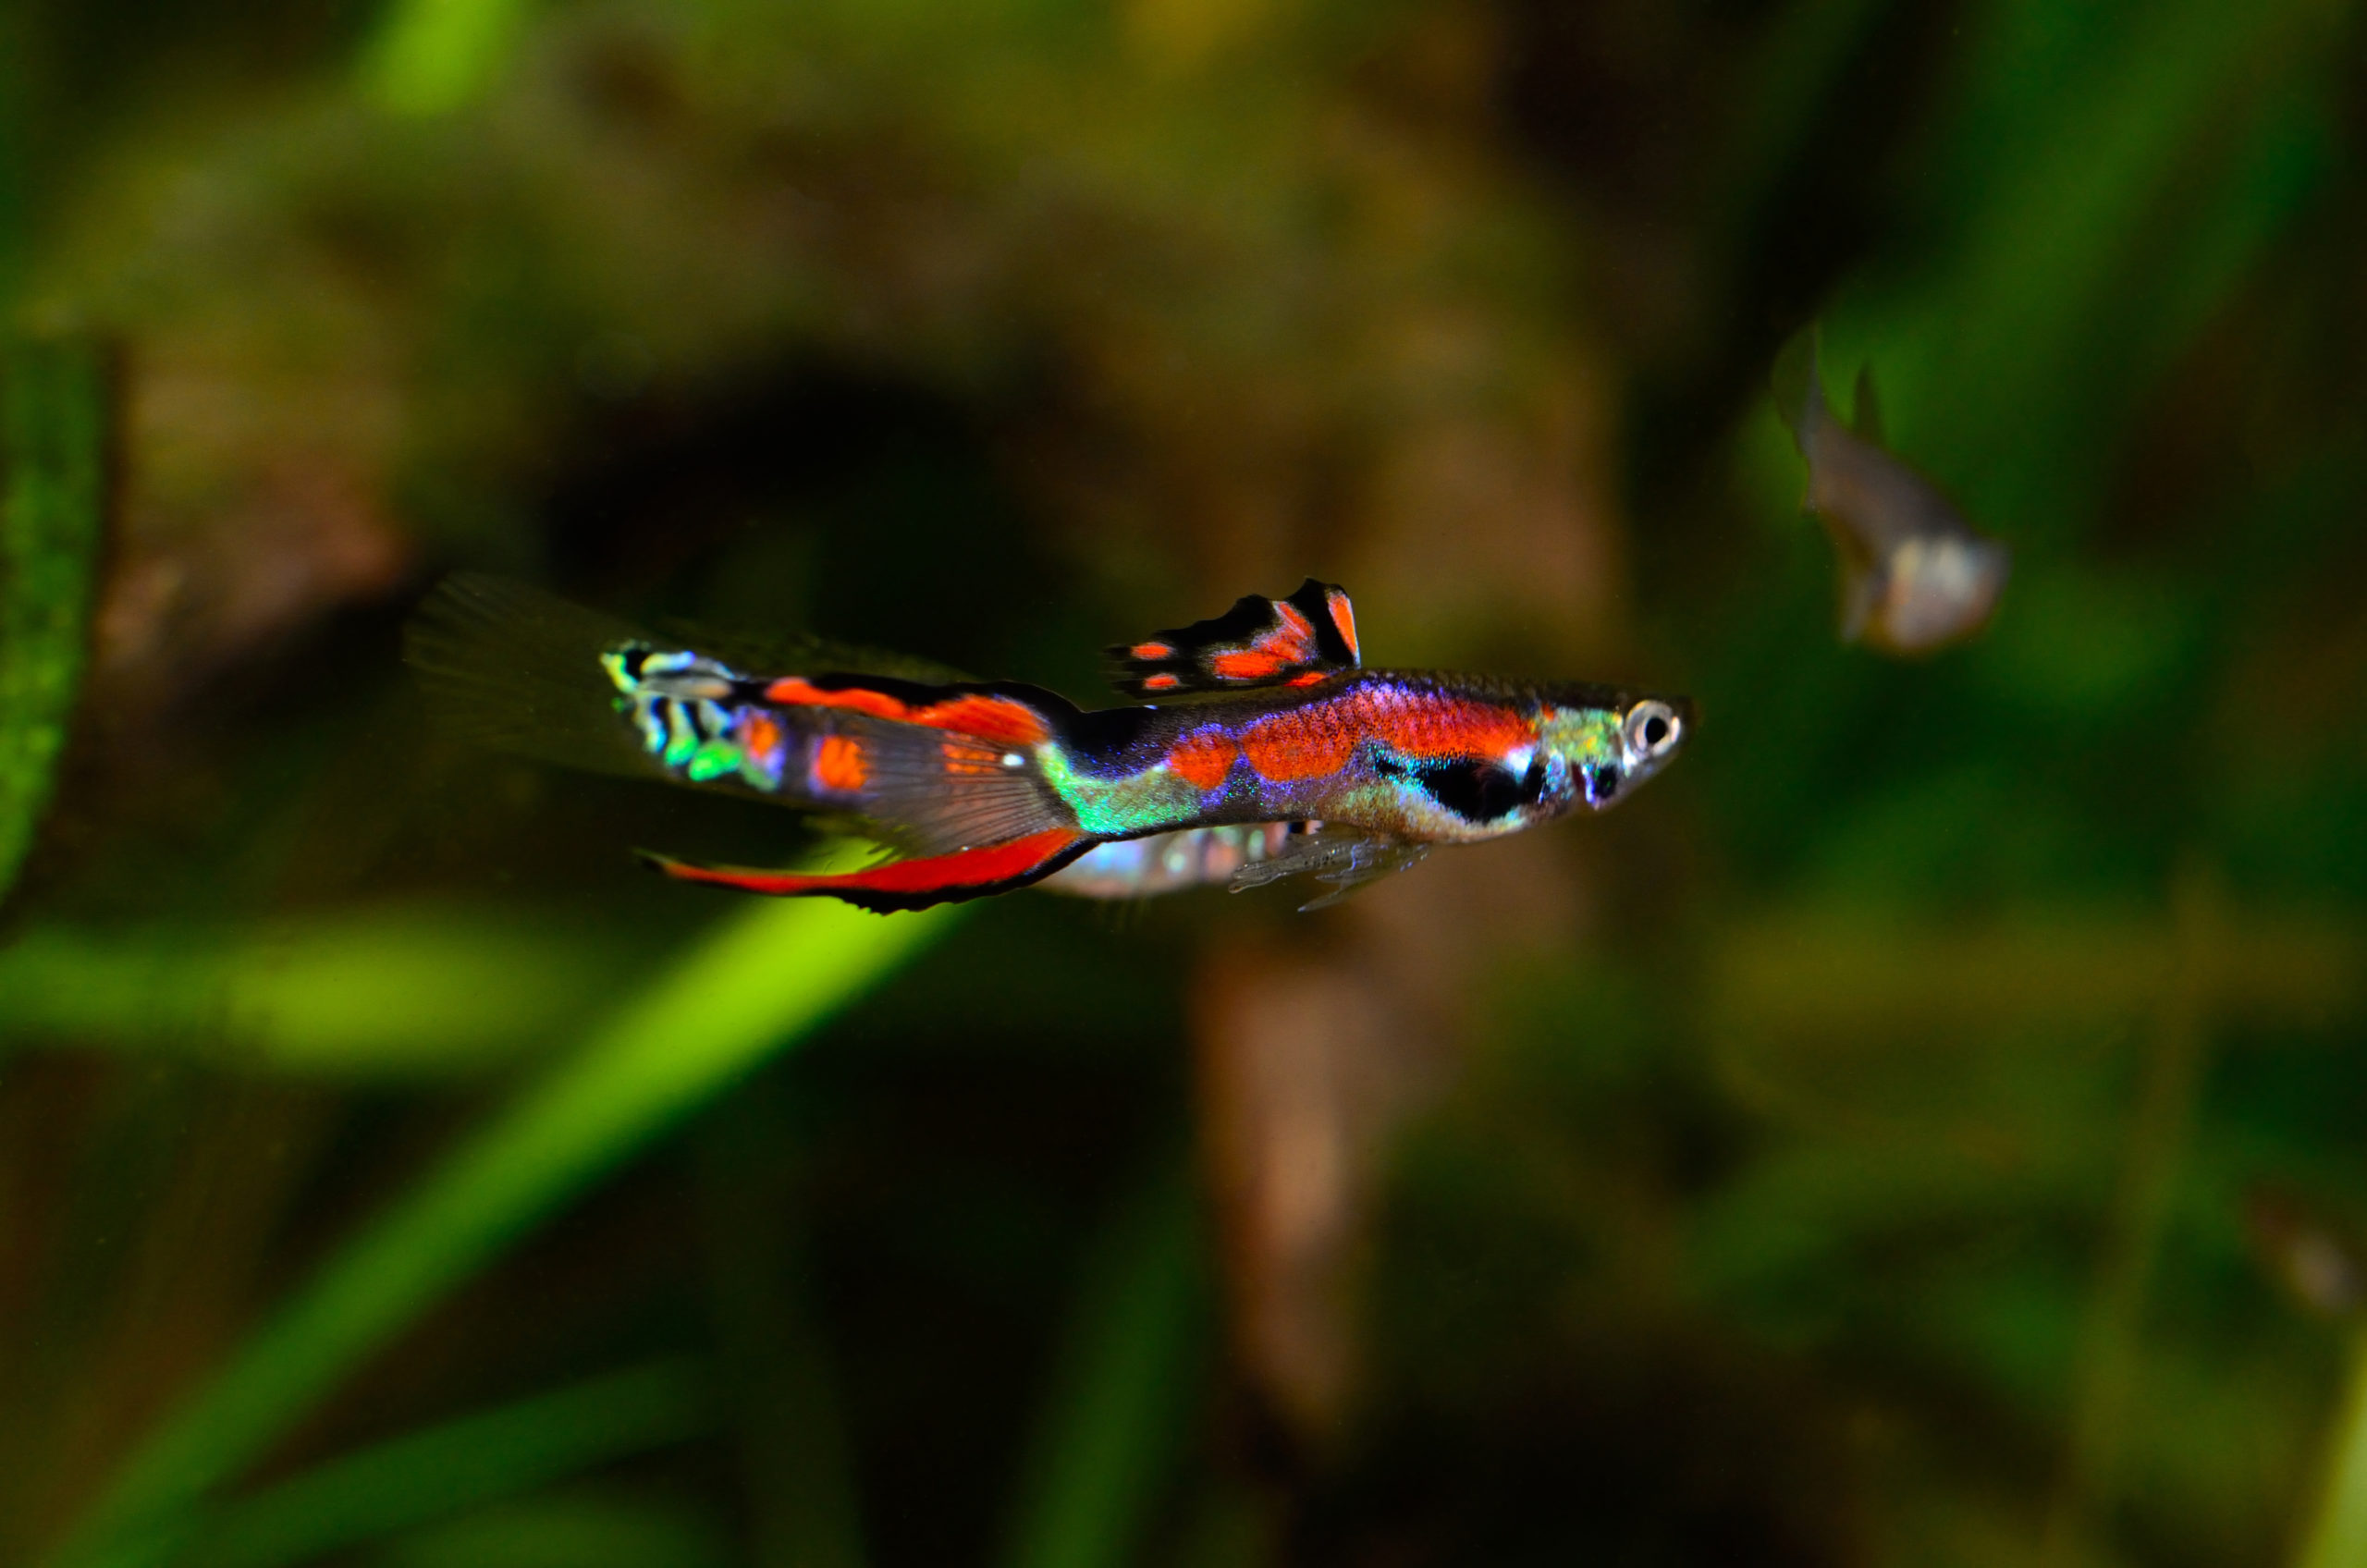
(1343, 858)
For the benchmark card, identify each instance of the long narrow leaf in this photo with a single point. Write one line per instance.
(765, 978)
(2337, 1538)
(53, 417)
(476, 1459)
(1121, 1392)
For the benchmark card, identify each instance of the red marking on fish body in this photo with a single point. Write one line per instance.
(1322, 738)
(1161, 682)
(1308, 743)
(1434, 726)
(1203, 758)
(1002, 720)
(1150, 650)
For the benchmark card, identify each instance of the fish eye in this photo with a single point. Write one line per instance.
(1652, 728)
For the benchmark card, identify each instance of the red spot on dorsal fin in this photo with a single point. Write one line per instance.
(1299, 641)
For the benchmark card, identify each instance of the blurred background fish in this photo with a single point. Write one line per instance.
(1915, 575)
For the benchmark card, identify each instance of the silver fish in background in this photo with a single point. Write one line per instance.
(1915, 575)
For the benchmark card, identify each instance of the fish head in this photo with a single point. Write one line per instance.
(1597, 746)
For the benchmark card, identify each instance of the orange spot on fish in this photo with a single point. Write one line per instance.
(1203, 758)
(1343, 616)
(759, 736)
(1151, 651)
(1312, 678)
(1291, 643)
(839, 764)
(1253, 664)
(1161, 683)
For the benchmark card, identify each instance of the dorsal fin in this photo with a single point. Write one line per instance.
(1869, 421)
(1294, 642)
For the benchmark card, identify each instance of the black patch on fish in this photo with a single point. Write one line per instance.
(1602, 783)
(1473, 789)
(1112, 742)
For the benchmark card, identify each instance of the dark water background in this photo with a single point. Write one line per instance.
(1914, 1131)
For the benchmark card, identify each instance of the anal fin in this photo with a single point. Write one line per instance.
(1343, 858)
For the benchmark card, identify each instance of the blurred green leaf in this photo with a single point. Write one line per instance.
(400, 992)
(2337, 1536)
(53, 441)
(431, 56)
(802, 1502)
(1120, 1391)
(572, 1532)
(457, 1465)
(766, 976)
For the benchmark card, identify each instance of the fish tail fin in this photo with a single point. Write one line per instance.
(915, 883)
(508, 666)
(928, 766)
(933, 768)
(1798, 380)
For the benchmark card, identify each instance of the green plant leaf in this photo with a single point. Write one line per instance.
(1121, 1391)
(53, 423)
(431, 56)
(475, 1459)
(763, 978)
(387, 993)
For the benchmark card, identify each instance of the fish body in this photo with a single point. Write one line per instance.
(1276, 752)
(1915, 575)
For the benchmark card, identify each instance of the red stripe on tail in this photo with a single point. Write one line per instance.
(906, 884)
(1004, 720)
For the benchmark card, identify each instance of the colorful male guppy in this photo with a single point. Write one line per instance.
(1271, 751)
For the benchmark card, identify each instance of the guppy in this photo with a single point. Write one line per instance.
(1261, 747)
(1915, 575)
